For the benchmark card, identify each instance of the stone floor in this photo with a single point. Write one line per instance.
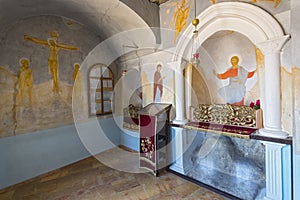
(90, 179)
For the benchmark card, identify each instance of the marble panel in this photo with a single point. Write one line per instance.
(233, 165)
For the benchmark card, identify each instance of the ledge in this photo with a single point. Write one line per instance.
(255, 135)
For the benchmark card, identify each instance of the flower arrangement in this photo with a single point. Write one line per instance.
(255, 105)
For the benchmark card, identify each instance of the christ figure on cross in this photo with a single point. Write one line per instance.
(54, 47)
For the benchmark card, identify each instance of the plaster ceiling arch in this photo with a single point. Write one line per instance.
(249, 20)
(104, 17)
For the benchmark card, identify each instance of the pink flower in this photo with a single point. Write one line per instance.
(255, 105)
(257, 102)
(196, 55)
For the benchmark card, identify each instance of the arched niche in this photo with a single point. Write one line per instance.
(249, 20)
(263, 31)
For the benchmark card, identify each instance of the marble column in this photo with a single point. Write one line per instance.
(272, 105)
(179, 93)
(274, 177)
(179, 138)
(188, 88)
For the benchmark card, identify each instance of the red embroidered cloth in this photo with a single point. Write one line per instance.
(132, 120)
(147, 142)
(236, 131)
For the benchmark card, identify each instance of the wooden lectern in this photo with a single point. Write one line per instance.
(154, 137)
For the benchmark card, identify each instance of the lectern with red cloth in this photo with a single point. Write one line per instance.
(154, 136)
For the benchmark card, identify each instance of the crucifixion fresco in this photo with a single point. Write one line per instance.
(54, 47)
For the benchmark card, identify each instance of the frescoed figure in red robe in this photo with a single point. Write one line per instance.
(235, 91)
(158, 84)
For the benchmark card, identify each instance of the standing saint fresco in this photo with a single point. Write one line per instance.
(76, 70)
(158, 84)
(25, 81)
(77, 78)
(235, 91)
(54, 47)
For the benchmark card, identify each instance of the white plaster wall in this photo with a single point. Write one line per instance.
(215, 54)
(142, 63)
(295, 29)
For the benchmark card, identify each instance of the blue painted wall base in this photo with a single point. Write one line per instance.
(26, 156)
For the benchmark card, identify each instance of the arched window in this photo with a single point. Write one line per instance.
(101, 86)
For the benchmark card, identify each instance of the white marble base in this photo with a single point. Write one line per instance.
(274, 177)
(267, 198)
(273, 133)
(180, 168)
(180, 146)
(180, 122)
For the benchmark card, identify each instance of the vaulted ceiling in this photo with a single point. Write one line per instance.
(105, 17)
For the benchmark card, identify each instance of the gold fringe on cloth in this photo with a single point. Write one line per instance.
(232, 131)
(131, 126)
